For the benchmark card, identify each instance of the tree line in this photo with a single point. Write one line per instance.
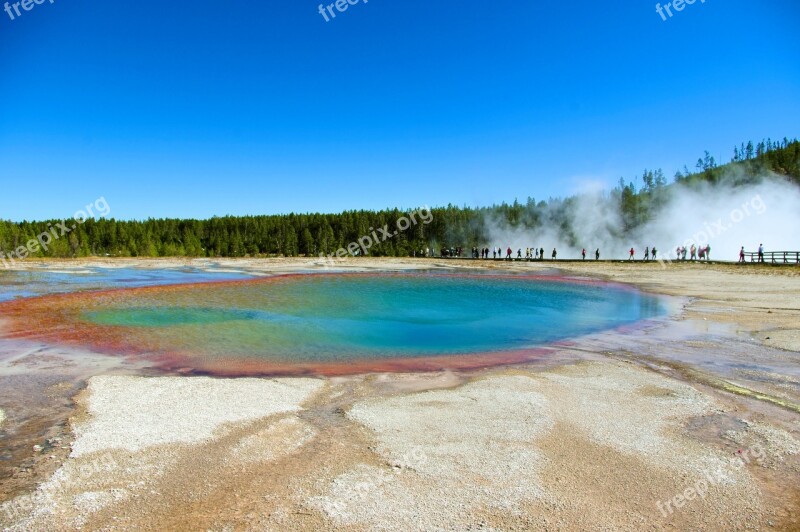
(314, 233)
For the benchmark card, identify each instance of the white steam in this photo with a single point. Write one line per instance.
(722, 215)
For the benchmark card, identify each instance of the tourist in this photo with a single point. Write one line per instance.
(708, 252)
(519, 253)
(630, 258)
(554, 254)
(647, 253)
(694, 252)
(761, 253)
(597, 254)
(541, 253)
(653, 253)
(509, 251)
(583, 253)
(741, 254)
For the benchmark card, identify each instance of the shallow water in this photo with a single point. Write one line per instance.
(17, 284)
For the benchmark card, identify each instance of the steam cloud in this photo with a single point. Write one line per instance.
(722, 215)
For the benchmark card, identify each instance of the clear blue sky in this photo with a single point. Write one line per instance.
(194, 109)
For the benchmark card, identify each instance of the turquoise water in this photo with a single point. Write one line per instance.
(338, 317)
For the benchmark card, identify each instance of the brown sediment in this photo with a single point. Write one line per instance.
(356, 457)
(37, 415)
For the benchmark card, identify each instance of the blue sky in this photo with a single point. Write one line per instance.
(195, 109)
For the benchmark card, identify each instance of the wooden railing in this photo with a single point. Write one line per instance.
(774, 257)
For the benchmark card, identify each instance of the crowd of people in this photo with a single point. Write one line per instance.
(702, 253)
(682, 253)
(498, 253)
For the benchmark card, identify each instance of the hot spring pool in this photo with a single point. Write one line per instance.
(307, 323)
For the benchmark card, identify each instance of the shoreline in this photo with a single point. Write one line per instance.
(722, 324)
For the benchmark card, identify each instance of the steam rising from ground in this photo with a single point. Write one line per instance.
(721, 215)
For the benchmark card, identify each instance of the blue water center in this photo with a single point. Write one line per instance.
(336, 317)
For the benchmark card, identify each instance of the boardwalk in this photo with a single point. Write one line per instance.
(775, 257)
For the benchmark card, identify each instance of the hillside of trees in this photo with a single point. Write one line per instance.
(314, 234)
